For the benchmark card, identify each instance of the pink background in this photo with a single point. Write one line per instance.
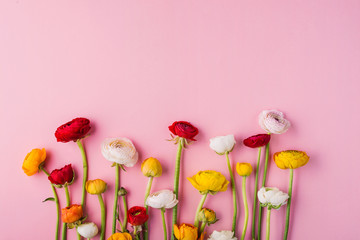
(134, 67)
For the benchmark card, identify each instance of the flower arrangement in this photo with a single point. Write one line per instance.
(122, 153)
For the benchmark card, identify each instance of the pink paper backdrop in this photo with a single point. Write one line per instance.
(134, 67)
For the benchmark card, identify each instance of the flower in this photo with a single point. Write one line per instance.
(209, 182)
(272, 197)
(151, 167)
(185, 232)
(88, 230)
(222, 144)
(137, 215)
(71, 213)
(243, 169)
(33, 161)
(208, 216)
(257, 141)
(120, 236)
(73, 130)
(62, 175)
(291, 159)
(223, 235)
(184, 129)
(273, 121)
(96, 186)
(162, 199)
(119, 150)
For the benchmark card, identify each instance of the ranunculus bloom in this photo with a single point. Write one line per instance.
(62, 175)
(33, 160)
(207, 215)
(73, 130)
(257, 141)
(291, 159)
(162, 199)
(273, 121)
(88, 230)
(209, 182)
(223, 235)
(184, 129)
(96, 186)
(71, 213)
(272, 197)
(120, 150)
(243, 169)
(185, 232)
(222, 144)
(137, 216)
(120, 236)
(151, 167)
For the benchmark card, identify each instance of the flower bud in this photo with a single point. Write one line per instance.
(62, 175)
(223, 235)
(222, 144)
(151, 167)
(33, 161)
(208, 216)
(185, 232)
(243, 169)
(88, 230)
(96, 186)
(122, 192)
(120, 236)
(71, 213)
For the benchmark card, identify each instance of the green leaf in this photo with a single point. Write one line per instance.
(49, 199)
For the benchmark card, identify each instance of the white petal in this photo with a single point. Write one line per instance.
(88, 230)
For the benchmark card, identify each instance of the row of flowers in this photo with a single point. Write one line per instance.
(122, 153)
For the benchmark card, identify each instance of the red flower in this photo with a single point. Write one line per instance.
(73, 130)
(184, 129)
(137, 216)
(257, 140)
(62, 176)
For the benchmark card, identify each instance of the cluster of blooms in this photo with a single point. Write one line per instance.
(122, 153)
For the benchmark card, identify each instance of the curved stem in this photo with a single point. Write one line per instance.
(201, 203)
(125, 214)
(263, 185)
(116, 197)
(176, 184)
(147, 192)
(202, 228)
(246, 208)
(255, 195)
(233, 188)
(103, 217)
(164, 223)
(85, 172)
(288, 204)
(57, 206)
(64, 227)
(268, 224)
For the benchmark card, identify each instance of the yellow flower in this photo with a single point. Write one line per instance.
(209, 182)
(33, 161)
(207, 215)
(244, 169)
(120, 236)
(151, 167)
(96, 186)
(185, 232)
(290, 159)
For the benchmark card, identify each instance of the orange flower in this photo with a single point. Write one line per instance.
(120, 236)
(71, 213)
(33, 160)
(185, 232)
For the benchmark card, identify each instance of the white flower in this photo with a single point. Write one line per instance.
(88, 230)
(272, 197)
(120, 150)
(273, 121)
(222, 144)
(223, 235)
(162, 199)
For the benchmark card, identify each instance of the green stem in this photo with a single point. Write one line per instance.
(203, 224)
(117, 174)
(103, 217)
(64, 227)
(176, 184)
(246, 208)
(57, 206)
(147, 192)
(164, 223)
(137, 237)
(125, 214)
(233, 188)
(201, 203)
(85, 172)
(263, 185)
(268, 224)
(255, 195)
(288, 204)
